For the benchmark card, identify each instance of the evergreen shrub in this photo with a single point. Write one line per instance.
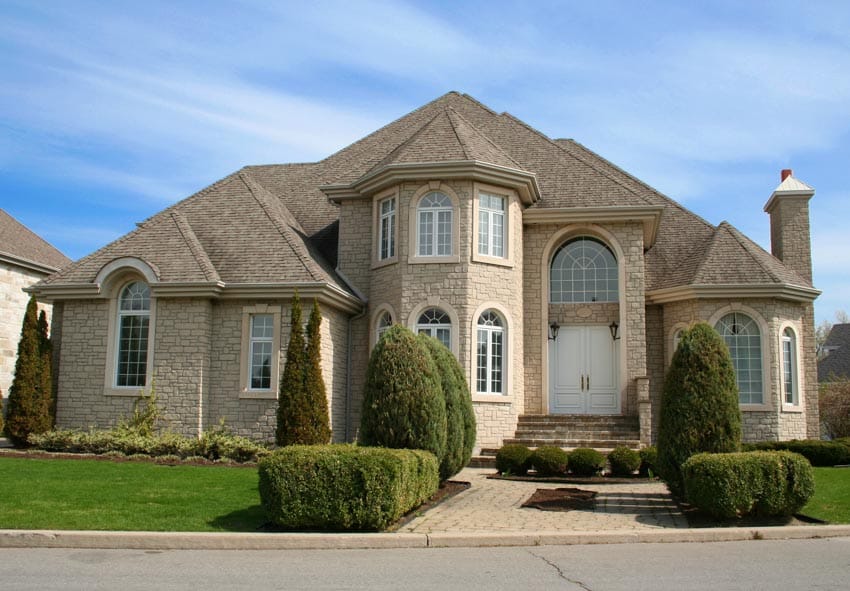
(344, 487)
(403, 403)
(584, 461)
(624, 461)
(759, 483)
(458, 408)
(699, 404)
(648, 461)
(512, 459)
(317, 420)
(549, 461)
(819, 453)
(291, 394)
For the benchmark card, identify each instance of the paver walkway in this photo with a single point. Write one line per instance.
(495, 505)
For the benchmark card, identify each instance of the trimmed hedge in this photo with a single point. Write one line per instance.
(549, 461)
(584, 461)
(819, 453)
(648, 460)
(513, 459)
(344, 487)
(624, 461)
(758, 483)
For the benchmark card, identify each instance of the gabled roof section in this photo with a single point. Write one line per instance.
(22, 246)
(836, 364)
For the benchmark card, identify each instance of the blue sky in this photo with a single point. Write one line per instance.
(110, 111)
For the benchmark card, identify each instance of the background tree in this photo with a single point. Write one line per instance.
(403, 404)
(317, 429)
(834, 406)
(291, 396)
(699, 403)
(29, 402)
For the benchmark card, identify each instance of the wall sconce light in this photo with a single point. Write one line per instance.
(615, 330)
(554, 327)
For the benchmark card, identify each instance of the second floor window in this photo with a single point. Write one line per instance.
(491, 225)
(386, 229)
(434, 225)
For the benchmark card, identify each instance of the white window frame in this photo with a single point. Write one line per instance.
(431, 328)
(789, 366)
(142, 313)
(568, 296)
(487, 217)
(511, 209)
(385, 321)
(245, 364)
(489, 333)
(412, 244)
(387, 222)
(434, 225)
(760, 358)
(253, 342)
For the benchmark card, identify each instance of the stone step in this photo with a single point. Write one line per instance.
(598, 444)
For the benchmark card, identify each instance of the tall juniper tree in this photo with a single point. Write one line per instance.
(45, 349)
(29, 403)
(317, 428)
(291, 394)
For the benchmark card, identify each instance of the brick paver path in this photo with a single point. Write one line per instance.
(495, 505)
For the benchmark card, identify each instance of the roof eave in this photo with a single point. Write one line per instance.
(649, 216)
(523, 182)
(781, 291)
(776, 195)
(27, 263)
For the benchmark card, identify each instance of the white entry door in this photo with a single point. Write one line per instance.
(583, 371)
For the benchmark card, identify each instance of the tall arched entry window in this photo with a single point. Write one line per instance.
(583, 270)
(134, 312)
(743, 337)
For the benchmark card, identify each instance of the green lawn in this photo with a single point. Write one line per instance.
(832, 496)
(90, 494)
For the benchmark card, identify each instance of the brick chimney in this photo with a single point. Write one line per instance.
(790, 235)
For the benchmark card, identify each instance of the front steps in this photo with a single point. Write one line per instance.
(600, 432)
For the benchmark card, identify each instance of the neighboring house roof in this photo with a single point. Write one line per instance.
(20, 245)
(272, 223)
(836, 364)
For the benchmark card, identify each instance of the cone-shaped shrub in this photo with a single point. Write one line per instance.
(699, 404)
(29, 404)
(403, 404)
(457, 397)
(317, 427)
(45, 348)
(291, 397)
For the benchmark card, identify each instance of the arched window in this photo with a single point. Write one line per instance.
(134, 311)
(789, 366)
(490, 354)
(743, 338)
(385, 321)
(436, 323)
(434, 225)
(583, 270)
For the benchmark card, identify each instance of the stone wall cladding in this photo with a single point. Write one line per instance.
(464, 286)
(656, 365)
(335, 367)
(774, 422)
(13, 304)
(630, 312)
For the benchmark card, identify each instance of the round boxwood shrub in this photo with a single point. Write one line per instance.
(648, 461)
(624, 461)
(699, 404)
(584, 461)
(458, 408)
(513, 459)
(403, 403)
(549, 461)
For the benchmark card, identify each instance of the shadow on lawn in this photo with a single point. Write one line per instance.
(250, 519)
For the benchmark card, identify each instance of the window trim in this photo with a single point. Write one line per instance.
(678, 329)
(797, 375)
(245, 390)
(576, 238)
(377, 228)
(380, 310)
(413, 319)
(413, 256)
(490, 331)
(767, 375)
(111, 387)
(510, 213)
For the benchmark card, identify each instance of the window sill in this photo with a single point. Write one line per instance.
(419, 260)
(792, 408)
(755, 407)
(129, 392)
(257, 395)
(378, 263)
(492, 398)
(490, 260)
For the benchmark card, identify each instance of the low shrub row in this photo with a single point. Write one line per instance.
(215, 444)
(819, 453)
(748, 483)
(344, 487)
(517, 460)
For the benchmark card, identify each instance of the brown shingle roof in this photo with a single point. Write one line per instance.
(20, 243)
(836, 365)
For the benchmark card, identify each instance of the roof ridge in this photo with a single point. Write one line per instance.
(715, 236)
(652, 189)
(463, 146)
(209, 188)
(487, 138)
(260, 194)
(397, 150)
(195, 246)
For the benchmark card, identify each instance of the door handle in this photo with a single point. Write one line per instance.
(582, 383)
(588, 382)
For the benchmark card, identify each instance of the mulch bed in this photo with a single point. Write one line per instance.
(35, 454)
(562, 499)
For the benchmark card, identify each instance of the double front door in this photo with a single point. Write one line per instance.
(583, 371)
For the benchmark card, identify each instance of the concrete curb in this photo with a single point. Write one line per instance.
(319, 541)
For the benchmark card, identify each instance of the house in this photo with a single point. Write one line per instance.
(835, 365)
(24, 260)
(559, 281)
